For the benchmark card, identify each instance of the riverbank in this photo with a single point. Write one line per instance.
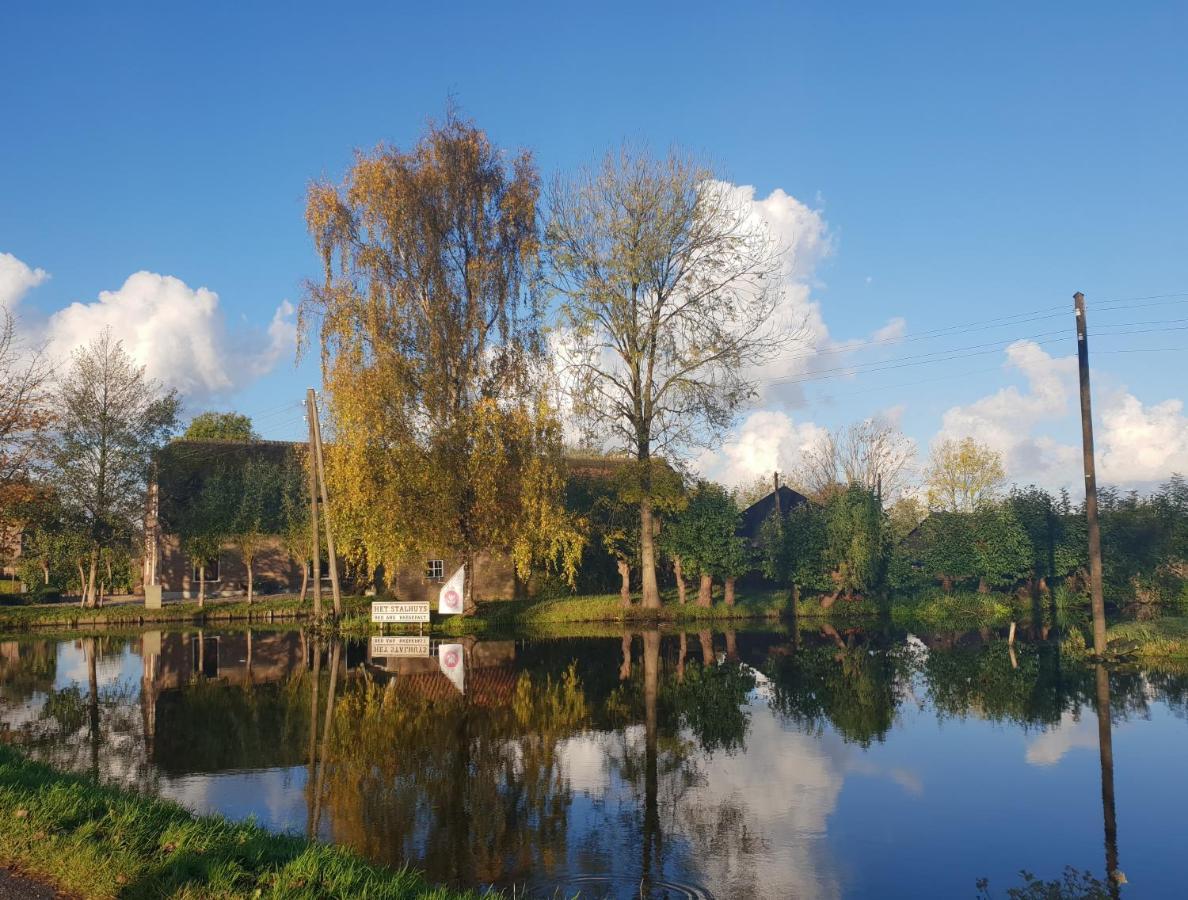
(99, 842)
(264, 609)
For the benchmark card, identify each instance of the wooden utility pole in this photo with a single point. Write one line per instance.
(315, 544)
(317, 436)
(1095, 589)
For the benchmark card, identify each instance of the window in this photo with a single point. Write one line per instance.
(323, 566)
(212, 571)
(435, 569)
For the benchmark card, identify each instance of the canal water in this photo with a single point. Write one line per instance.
(766, 764)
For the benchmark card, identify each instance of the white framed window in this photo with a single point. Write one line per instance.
(435, 569)
(212, 572)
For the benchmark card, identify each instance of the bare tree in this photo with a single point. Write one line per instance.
(872, 453)
(669, 285)
(25, 412)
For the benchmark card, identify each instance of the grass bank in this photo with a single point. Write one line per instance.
(101, 842)
(68, 615)
(1154, 641)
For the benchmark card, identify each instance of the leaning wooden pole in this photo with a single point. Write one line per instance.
(1095, 588)
(317, 430)
(314, 543)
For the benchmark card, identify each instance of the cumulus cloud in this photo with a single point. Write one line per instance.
(766, 441)
(1136, 444)
(16, 279)
(178, 333)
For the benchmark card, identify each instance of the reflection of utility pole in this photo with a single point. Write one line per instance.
(312, 402)
(335, 647)
(1095, 589)
(1105, 744)
(311, 774)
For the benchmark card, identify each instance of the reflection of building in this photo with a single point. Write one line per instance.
(491, 675)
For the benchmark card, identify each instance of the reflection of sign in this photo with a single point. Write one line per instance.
(400, 645)
(400, 612)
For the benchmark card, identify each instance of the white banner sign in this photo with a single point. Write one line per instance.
(450, 658)
(399, 645)
(449, 599)
(400, 612)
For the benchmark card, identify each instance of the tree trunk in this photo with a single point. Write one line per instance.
(469, 607)
(625, 582)
(705, 590)
(45, 573)
(728, 595)
(983, 586)
(250, 590)
(304, 583)
(707, 647)
(202, 586)
(82, 585)
(947, 584)
(647, 556)
(91, 579)
(827, 602)
(678, 571)
(795, 599)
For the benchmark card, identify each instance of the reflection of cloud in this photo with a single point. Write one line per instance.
(907, 779)
(1072, 733)
(72, 667)
(275, 797)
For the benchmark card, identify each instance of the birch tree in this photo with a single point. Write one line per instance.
(110, 420)
(430, 333)
(668, 285)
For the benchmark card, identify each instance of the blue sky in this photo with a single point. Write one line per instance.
(963, 162)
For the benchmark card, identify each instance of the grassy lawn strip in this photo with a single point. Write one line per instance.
(69, 615)
(103, 842)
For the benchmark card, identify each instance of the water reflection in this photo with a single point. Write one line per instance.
(753, 764)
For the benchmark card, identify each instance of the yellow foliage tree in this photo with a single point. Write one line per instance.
(443, 437)
(963, 474)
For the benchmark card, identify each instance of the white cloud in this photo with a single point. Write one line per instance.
(16, 279)
(1141, 444)
(178, 333)
(1137, 445)
(1006, 419)
(767, 440)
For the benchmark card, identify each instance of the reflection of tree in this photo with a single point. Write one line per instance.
(27, 668)
(474, 793)
(849, 683)
(1034, 689)
(711, 701)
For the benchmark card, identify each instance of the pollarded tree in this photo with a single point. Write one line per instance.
(432, 352)
(110, 420)
(947, 548)
(1001, 552)
(703, 537)
(669, 288)
(858, 542)
(258, 512)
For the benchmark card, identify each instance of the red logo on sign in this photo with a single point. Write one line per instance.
(451, 598)
(451, 659)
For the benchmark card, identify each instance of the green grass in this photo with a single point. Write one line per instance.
(954, 612)
(70, 615)
(1163, 639)
(102, 842)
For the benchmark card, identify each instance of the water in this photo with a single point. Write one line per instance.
(653, 764)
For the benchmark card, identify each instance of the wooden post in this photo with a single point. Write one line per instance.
(317, 434)
(1095, 588)
(315, 544)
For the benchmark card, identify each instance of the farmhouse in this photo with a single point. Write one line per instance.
(184, 466)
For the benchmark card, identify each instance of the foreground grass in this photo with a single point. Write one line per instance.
(103, 842)
(69, 615)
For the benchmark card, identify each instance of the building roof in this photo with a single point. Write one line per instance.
(756, 514)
